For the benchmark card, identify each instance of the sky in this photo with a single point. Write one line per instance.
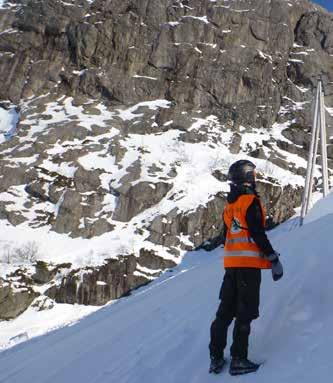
(328, 4)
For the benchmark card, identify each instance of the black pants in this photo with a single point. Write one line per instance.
(239, 294)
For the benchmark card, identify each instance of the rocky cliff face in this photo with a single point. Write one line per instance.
(130, 113)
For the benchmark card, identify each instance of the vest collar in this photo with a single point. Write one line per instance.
(238, 190)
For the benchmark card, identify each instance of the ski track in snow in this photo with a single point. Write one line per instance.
(161, 332)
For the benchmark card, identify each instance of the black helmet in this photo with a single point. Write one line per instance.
(241, 172)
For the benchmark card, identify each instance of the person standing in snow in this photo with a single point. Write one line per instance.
(247, 250)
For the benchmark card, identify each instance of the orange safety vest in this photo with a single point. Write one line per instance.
(240, 250)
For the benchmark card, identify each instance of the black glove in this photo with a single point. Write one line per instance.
(277, 269)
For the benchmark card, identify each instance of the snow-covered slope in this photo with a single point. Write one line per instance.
(161, 332)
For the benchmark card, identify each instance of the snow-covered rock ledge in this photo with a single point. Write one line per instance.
(90, 286)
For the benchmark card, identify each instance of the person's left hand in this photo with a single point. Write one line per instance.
(277, 268)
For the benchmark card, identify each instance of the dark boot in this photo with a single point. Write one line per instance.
(216, 364)
(240, 366)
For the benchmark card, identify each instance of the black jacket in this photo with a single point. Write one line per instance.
(253, 218)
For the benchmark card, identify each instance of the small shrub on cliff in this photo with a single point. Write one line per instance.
(26, 253)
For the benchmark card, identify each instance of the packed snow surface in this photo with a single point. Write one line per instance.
(321, 208)
(161, 332)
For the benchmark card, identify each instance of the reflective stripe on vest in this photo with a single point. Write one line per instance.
(240, 250)
(242, 253)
